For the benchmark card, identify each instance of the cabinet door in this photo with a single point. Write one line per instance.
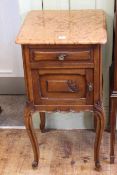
(63, 86)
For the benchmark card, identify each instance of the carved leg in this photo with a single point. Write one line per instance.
(100, 123)
(42, 121)
(112, 129)
(29, 127)
(95, 120)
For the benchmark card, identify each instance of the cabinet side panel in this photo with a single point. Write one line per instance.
(27, 72)
(97, 74)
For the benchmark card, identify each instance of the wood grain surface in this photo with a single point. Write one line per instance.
(61, 153)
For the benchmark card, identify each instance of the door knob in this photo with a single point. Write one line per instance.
(90, 87)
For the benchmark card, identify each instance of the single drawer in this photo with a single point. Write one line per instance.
(82, 54)
(65, 87)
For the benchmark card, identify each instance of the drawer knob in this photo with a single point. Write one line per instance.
(90, 87)
(62, 57)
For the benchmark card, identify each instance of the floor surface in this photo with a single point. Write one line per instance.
(61, 153)
(12, 110)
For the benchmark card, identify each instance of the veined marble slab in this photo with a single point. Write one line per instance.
(64, 27)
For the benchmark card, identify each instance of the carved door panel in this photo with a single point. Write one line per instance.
(63, 86)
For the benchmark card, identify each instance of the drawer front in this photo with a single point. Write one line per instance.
(83, 54)
(62, 88)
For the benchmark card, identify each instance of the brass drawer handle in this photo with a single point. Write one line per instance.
(90, 87)
(62, 57)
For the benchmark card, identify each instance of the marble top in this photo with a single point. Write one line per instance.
(63, 27)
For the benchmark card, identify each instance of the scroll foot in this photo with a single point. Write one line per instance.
(34, 164)
(98, 166)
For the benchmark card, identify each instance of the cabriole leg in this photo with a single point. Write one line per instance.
(29, 110)
(100, 123)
